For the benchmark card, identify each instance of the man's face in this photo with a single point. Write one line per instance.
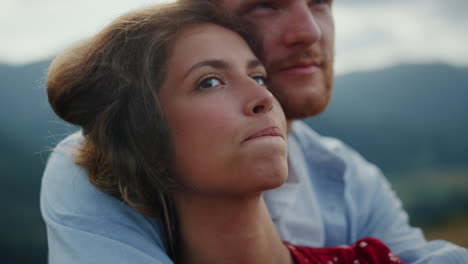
(297, 38)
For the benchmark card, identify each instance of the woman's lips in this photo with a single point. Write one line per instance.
(267, 132)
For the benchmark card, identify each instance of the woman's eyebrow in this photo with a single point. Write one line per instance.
(218, 64)
(254, 63)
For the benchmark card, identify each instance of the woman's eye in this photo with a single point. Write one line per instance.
(209, 82)
(261, 80)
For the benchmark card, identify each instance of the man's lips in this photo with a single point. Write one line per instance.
(267, 132)
(301, 67)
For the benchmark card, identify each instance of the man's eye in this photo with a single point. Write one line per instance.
(209, 82)
(264, 5)
(319, 2)
(261, 80)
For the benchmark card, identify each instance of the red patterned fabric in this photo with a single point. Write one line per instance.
(364, 251)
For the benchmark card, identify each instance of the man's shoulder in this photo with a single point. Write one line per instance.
(310, 140)
(65, 185)
(81, 219)
(62, 177)
(70, 143)
(68, 198)
(331, 152)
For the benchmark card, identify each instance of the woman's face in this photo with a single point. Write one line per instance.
(228, 130)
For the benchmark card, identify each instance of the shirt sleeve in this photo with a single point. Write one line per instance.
(84, 225)
(376, 211)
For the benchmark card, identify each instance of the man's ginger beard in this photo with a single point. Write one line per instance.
(308, 107)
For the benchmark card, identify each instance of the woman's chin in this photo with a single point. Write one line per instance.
(274, 178)
(277, 181)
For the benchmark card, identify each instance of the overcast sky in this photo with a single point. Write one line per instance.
(370, 33)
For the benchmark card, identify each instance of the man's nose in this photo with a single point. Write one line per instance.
(303, 29)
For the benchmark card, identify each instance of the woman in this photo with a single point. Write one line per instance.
(180, 127)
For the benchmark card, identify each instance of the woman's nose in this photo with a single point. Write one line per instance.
(259, 100)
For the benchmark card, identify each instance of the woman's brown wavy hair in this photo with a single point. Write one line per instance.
(108, 85)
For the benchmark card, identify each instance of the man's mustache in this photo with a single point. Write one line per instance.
(302, 56)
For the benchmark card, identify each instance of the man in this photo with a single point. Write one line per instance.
(332, 196)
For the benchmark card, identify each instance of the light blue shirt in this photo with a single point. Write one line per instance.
(332, 197)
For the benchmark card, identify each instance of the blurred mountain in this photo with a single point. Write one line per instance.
(24, 109)
(399, 118)
(28, 130)
(403, 117)
(408, 119)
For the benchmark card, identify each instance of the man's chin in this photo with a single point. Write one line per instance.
(300, 107)
(302, 97)
(293, 113)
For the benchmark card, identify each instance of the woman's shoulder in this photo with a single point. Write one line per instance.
(366, 250)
